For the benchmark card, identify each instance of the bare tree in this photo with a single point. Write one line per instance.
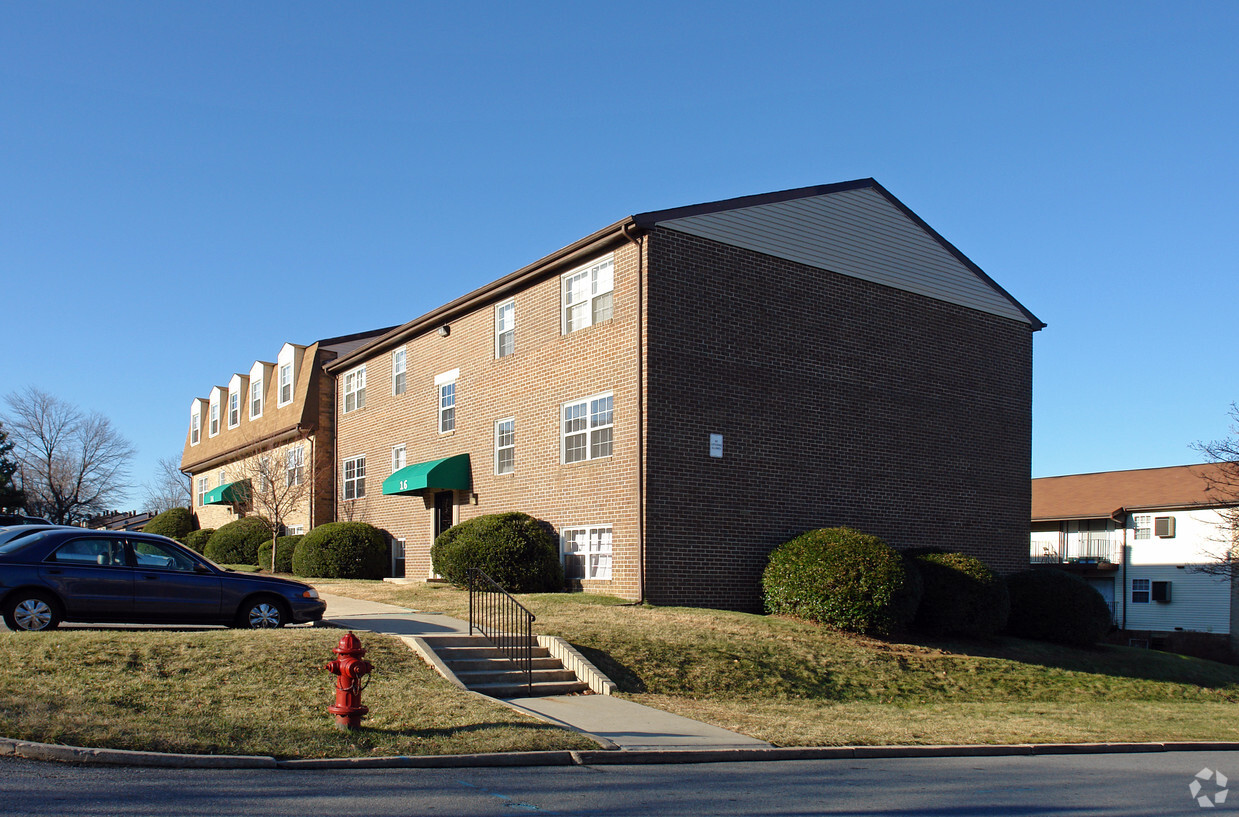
(279, 485)
(1222, 483)
(71, 465)
(169, 488)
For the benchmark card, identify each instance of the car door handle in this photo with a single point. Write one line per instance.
(150, 577)
(55, 571)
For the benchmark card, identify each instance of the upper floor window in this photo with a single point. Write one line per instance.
(397, 458)
(295, 466)
(505, 446)
(355, 389)
(214, 422)
(505, 329)
(587, 295)
(446, 387)
(255, 399)
(587, 428)
(397, 371)
(286, 384)
(195, 426)
(355, 477)
(1144, 526)
(234, 409)
(223, 478)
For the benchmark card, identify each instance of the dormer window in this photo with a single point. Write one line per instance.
(234, 409)
(287, 377)
(255, 399)
(214, 421)
(195, 425)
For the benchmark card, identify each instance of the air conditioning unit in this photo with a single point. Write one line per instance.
(1163, 526)
(1161, 591)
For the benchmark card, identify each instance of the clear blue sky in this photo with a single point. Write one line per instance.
(186, 186)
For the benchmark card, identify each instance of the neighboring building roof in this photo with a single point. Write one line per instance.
(832, 227)
(1110, 493)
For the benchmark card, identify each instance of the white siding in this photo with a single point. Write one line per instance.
(858, 233)
(1197, 602)
(1196, 535)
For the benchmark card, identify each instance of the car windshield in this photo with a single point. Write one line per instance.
(15, 539)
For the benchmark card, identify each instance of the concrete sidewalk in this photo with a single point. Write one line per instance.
(614, 721)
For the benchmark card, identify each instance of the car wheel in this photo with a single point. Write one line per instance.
(261, 614)
(31, 612)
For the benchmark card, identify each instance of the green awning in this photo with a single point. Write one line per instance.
(450, 474)
(227, 494)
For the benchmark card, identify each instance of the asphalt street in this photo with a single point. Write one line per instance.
(1075, 785)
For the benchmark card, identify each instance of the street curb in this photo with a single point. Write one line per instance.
(623, 757)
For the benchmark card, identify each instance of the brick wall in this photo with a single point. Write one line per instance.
(546, 370)
(840, 402)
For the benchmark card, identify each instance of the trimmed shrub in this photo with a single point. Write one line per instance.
(237, 542)
(514, 549)
(1053, 605)
(175, 523)
(197, 539)
(341, 550)
(284, 547)
(843, 578)
(961, 596)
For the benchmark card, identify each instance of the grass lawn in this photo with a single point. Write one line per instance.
(796, 684)
(242, 692)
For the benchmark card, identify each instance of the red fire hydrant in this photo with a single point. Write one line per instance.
(349, 670)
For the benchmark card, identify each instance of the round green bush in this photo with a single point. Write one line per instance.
(175, 523)
(1052, 605)
(237, 542)
(843, 578)
(197, 539)
(513, 548)
(961, 596)
(284, 547)
(341, 550)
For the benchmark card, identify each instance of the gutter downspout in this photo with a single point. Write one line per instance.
(640, 245)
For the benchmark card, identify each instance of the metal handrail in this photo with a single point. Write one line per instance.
(501, 618)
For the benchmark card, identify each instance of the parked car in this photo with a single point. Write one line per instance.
(7, 519)
(55, 574)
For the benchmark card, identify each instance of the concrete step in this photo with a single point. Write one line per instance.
(499, 675)
(482, 652)
(538, 691)
(473, 665)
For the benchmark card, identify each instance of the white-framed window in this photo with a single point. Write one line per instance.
(505, 446)
(286, 384)
(398, 371)
(223, 478)
(1141, 590)
(255, 399)
(398, 459)
(355, 477)
(1144, 526)
(587, 427)
(234, 409)
(195, 426)
(445, 386)
(203, 487)
(214, 423)
(294, 465)
(586, 295)
(355, 389)
(264, 472)
(294, 530)
(587, 552)
(505, 329)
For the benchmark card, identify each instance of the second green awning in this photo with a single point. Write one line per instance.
(228, 494)
(450, 474)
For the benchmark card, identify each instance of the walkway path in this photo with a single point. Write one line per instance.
(623, 723)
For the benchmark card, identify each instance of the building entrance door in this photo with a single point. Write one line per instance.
(443, 511)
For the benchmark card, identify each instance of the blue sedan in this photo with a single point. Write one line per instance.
(54, 574)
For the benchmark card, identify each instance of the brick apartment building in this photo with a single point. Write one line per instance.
(282, 410)
(681, 391)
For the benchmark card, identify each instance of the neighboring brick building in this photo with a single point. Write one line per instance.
(281, 410)
(683, 390)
